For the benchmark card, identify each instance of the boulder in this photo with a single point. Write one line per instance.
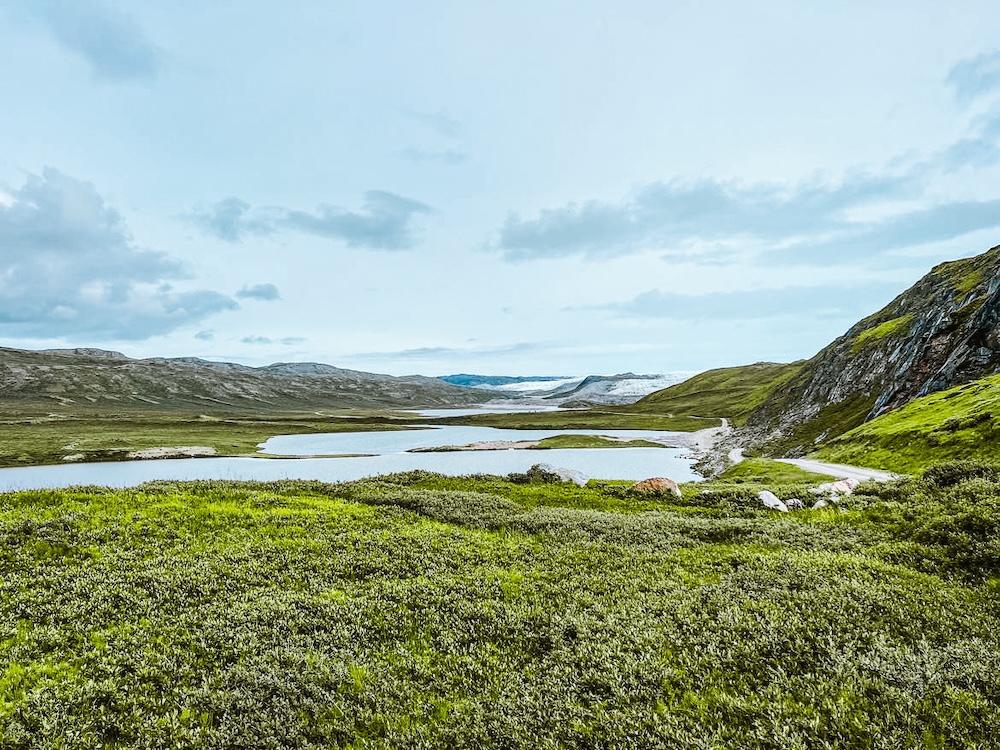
(845, 486)
(564, 474)
(658, 484)
(794, 504)
(771, 501)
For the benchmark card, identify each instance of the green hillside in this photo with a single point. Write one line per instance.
(959, 423)
(421, 611)
(731, 392)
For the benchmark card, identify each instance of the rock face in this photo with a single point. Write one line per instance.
(658, 484)
(941, 332)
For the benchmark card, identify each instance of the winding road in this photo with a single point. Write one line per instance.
(840, 471)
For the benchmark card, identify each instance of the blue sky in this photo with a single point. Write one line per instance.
(511, 188)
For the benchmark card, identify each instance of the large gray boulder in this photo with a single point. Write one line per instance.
(564, 474)
(771, 501)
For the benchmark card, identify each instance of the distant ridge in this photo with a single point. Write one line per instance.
(578, 391)
(95, 376)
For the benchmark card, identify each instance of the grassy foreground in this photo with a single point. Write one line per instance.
(427, 611)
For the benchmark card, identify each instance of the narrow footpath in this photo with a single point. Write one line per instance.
(840, 471)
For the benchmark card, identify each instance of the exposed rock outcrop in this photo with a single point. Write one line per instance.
(941, 332)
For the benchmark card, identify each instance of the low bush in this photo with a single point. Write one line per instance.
(420, 611)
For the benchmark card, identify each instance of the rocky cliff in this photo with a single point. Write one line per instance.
(941, 332)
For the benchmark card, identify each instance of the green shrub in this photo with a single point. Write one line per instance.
(953, 472)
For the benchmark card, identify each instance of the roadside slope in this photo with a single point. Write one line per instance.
(961, 422)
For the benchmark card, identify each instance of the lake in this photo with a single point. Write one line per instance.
(390, 455)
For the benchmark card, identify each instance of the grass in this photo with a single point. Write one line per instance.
(47, 434)
(732, 392)
(960, 422)
(881, 331)
(558, 441)
(426, 611)
(592, 441)
(767, 471)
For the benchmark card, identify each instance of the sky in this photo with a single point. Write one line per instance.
(521, 188)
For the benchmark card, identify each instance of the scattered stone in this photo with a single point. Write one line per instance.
(771, 501)
(658, 484)
(844, 486)
(177, 451)
(794, 504)
(821, 503)
(74, 457)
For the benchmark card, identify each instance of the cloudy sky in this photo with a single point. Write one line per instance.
(544, 187)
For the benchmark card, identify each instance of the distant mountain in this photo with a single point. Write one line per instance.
(496, 381)
(624, 388)
(94, 376)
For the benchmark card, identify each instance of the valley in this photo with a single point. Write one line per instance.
(761, 605)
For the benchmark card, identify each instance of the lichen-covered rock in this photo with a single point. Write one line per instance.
(658, 484)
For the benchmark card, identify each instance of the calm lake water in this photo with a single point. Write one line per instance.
(390, 456)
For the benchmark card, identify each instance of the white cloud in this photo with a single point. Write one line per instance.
(69, 267)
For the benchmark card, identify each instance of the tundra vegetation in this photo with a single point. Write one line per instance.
(47, 433)
(418, 610)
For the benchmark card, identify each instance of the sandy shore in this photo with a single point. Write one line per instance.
(699, 442)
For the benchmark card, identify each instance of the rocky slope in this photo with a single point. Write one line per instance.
(94, 376)
(942, 332)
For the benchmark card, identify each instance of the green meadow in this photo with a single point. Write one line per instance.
(45, 433)
(422, 611)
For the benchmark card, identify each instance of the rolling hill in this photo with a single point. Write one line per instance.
(95, 376)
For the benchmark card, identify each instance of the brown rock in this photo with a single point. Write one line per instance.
(658, 484)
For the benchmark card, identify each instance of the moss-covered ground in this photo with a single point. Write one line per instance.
(420, 611)
(962, 422)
